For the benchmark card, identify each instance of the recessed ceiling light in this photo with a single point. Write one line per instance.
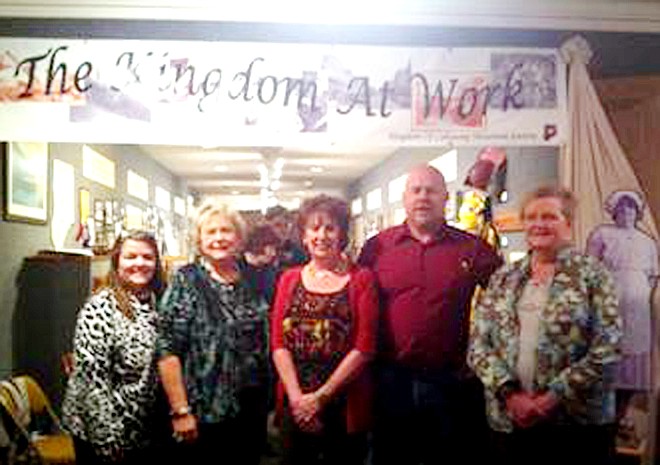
(316, 169)
(220, 168)
(235, 192)
(308, 183)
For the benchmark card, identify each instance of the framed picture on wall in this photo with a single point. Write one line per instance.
(26, 182)
(507, 220)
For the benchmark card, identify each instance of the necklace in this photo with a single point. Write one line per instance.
(224, 275)
(542, 275)
(339, 268)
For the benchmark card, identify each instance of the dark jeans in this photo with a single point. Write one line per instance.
(333, 446)
(556, 445)
(233, 441)
(428, 417)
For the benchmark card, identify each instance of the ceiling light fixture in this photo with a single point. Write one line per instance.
(220, 168)
(269, 180)
(316, 169)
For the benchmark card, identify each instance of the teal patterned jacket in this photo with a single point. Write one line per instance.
(220, 334)
(578, 339)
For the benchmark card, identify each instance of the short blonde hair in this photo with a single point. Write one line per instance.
(566, 197)
(212, 208)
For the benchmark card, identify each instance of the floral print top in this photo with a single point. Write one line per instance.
(578, 339)
(219, 331)
(317, 332)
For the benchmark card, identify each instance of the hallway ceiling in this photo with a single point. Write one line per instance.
(234, 173)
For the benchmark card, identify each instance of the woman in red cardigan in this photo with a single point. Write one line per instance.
(324, 325)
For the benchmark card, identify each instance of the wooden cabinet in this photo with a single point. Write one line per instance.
(51, 289)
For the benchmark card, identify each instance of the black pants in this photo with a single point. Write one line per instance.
(428, 417)
(233, 441)
(333, 446)
(556, 445)
(87, 455)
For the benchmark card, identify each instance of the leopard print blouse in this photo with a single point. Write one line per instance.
(111, 390)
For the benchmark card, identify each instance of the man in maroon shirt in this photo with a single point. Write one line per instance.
(426, 400)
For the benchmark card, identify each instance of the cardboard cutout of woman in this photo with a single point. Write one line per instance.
(632, 257)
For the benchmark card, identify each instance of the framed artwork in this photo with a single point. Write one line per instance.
(26, 182)
(507, 220)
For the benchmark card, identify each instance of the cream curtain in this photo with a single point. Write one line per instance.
(593, 164)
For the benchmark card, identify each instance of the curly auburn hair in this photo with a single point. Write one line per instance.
(335, 208)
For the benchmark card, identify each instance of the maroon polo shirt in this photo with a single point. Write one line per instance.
(425, 292)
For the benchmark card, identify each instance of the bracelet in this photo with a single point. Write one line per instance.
(180, 412)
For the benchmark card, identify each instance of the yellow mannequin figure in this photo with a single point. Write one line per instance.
(475, 210)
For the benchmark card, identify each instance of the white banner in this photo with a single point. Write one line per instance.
(261, 94)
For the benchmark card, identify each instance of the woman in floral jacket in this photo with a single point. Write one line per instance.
(545, 342)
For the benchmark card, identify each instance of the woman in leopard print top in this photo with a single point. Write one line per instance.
(111, 391)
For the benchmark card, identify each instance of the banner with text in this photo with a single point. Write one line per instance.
(266, 94)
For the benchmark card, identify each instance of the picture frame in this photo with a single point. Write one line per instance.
(508, 221)
(26, 182)
(85, 202)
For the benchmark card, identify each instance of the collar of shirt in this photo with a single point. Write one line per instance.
(403, 233)
(210, 269)
(564, 257)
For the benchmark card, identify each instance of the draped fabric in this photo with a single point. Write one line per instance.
(593, 164)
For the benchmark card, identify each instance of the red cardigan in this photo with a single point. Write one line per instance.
(363, 300)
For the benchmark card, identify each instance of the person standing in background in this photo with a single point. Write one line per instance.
(261, 260)
(426, 272)
(289, 252)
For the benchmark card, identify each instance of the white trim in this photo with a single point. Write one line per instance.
(603, 15)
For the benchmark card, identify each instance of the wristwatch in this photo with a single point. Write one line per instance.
(180, 412)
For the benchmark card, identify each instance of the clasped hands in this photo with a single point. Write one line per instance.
(306, 411)
(527, 408)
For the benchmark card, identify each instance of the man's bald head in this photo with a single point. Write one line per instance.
(424, 197)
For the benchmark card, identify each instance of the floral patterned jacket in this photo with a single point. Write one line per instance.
(578, 339)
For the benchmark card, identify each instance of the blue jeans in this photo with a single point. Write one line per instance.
(427, 417)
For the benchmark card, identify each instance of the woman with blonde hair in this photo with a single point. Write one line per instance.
(212, 347)
(111, 392)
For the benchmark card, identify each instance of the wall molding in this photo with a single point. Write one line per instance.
(595, 15)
